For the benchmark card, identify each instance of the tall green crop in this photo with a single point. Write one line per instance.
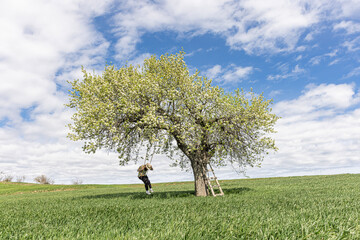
(316, 207)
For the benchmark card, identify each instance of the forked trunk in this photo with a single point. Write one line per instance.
(200, 171)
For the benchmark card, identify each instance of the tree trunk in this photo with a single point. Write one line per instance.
(200, 171)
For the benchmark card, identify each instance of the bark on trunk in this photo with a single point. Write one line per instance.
(200, 171)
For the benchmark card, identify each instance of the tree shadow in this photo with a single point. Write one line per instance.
(142, 195)
(239, 190)
(162, 195)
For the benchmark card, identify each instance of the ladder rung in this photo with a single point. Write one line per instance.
(217, 184)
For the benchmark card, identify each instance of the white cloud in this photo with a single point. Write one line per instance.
(317, 28)
(309, 37)
(332, 53)
(254, 26)
(297, 69)
(126, 45)
(194, 52)
(231, 73)
(213, 72)
(349, 26)
(193, 17)
(237, 73)
(275, 93)
(319, 101)
(347, 9)
(354, 72)
(317, 59)
(293, 74)
(298, 58)
(44, 45)
(139, 60)
(274, 26)
(312, 138)
(334, 62)
(42, 39)
(352, 45)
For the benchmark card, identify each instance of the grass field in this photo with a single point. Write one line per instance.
(312, 207)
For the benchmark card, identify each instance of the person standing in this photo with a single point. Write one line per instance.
(142, 175)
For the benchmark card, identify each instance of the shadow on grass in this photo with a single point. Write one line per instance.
(239, 190)
(143, 195)
(161, 195)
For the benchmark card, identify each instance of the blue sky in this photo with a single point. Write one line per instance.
(303, 54)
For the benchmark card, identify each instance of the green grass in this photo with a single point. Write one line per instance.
(312, 207)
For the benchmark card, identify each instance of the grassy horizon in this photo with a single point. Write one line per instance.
(308, 207)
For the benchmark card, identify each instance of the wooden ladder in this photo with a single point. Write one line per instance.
(212, 186)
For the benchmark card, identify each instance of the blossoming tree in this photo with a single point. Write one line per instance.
(162, 107)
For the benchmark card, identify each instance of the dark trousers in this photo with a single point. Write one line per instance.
(146, 181)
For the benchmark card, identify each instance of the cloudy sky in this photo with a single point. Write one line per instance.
(304, 54)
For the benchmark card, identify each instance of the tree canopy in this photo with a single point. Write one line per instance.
(162, 107)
